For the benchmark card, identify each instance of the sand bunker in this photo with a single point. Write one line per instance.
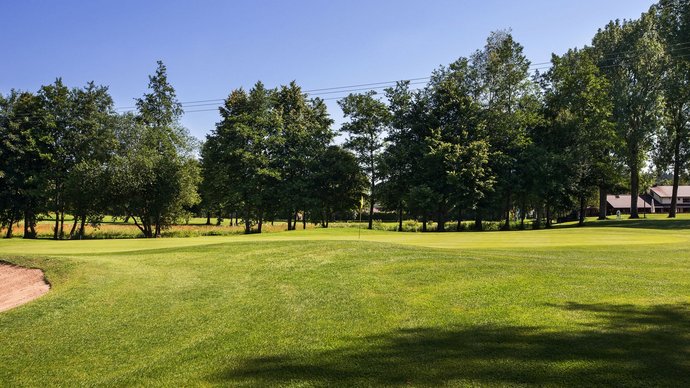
(20, 285)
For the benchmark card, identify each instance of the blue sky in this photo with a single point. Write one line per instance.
(212, 47)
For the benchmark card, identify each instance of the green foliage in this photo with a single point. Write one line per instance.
(154, 175)
(336, 184)
(631, 55)
(580, 133)
(369, 119)
(242, 145)
(304, 137)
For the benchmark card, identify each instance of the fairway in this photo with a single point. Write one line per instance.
(322, 307)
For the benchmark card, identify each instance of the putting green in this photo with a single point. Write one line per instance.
(561, 237)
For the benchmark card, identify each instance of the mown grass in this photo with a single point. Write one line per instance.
(116, 228)
(569, 306)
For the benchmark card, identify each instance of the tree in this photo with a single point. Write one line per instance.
(673, 144)
(369, 120)
(211, 190)
(631, 55)
(154, 176)
(422, 201)
(244, 144)
(337, 183)
(304, 136)
(579, 110)
(92, 142)
(25, 161)
(506, 94)
(58, 105)
(458, 143)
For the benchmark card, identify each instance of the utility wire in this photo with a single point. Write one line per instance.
(614, 56)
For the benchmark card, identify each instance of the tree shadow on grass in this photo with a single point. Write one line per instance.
(621, 345)
(642, 223)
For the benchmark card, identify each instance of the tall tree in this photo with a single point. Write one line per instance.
(92, 142)
(402, 144)
(154, 174)
(458, 145)
(58, 104)
(505, 91)
(369, 120)
(580, 111)
(674, 140)
(26, 161)
(243, 143)
(304, 136)
(631, 55)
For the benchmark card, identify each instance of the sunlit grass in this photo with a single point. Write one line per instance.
(604, 305)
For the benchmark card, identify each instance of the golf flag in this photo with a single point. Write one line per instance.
(361, 202)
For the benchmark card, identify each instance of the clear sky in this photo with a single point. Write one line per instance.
(212, 47)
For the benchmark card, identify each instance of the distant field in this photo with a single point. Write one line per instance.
(196, 227)
(604, 305)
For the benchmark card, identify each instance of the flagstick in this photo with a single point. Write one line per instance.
(359, 226)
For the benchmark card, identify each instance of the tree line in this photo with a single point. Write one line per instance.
(489, 137)
(66, 151)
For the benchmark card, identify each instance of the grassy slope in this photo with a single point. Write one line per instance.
(566, 306)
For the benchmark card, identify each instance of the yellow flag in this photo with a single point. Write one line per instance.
(361, 202)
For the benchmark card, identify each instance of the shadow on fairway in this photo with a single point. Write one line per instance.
(642, 223)
(621, 345)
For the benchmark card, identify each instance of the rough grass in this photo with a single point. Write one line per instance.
(569, 306)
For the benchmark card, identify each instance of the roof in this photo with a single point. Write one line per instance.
(667, 191)
(623, 202)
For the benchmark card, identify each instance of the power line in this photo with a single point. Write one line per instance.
(385, 84)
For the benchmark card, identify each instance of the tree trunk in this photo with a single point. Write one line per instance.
(74, 227)
(56, 228)
(247, 223)
(548, 216)
(208, 218)
(142, 228)
(506, 226)
(400, 219)
(260, 224)
(9, 229)
(477, 221)
(634, 190)
(62, 224)
(424, 224)
(371, 210)
(32, 225)
(289, 220)
(82, 226)
(582, 211)
(441, 220)
(26, 225)
(158, 226)
(29, 231)
(602, 203)
(676, 179)
(458, 227)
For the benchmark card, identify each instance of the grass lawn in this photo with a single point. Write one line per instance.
(570, 306)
